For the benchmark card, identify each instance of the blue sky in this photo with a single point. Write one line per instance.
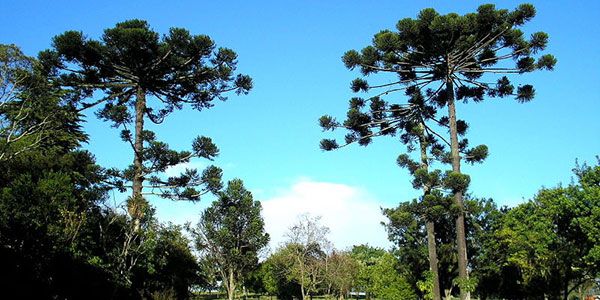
(292, 50)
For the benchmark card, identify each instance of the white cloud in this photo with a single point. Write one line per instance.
(176, 170)
(352, 215)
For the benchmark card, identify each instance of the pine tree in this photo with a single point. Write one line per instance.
(134, 75)
(410, 120)
(231, 234)
(453, 57)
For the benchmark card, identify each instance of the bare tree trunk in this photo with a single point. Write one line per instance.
(461, 242)
(302, 287)
(136, 203)
(429, 225)
(433, 260)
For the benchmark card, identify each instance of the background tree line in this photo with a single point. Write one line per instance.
(546, 247)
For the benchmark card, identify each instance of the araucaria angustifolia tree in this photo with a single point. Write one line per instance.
(231, 234)
(455, 58)
(134, 75)
(409, 121)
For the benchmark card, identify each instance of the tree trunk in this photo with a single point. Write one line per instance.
(461, 242)
(429, 225)
(137, 201)
(230, 286)
(433, 260)
(302, 283)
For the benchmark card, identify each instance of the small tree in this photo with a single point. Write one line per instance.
(448, 56)
(342, 272)
(388, 283)
(278, 278)
(307, 243)
(231, 233)
(367, 257)
(144, 77)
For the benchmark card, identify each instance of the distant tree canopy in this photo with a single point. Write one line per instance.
(142, 76)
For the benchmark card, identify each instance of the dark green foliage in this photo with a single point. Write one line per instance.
(442, 49)
(31, 112)
(171, 265)
(423, 50)
(456, 182)
(328, 144)
(476, 154)
(406, 229)
(58, 240)
(231, 234)
(380, 118)
(178, 68)
(49, 237)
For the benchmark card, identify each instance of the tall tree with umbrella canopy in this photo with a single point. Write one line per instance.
(135, 75)
(455, 57)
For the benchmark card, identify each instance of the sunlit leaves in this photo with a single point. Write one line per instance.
(351, 59)
(554, 237)
(477, 154)
(386, 41)
(456, 182)
(404, 161)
